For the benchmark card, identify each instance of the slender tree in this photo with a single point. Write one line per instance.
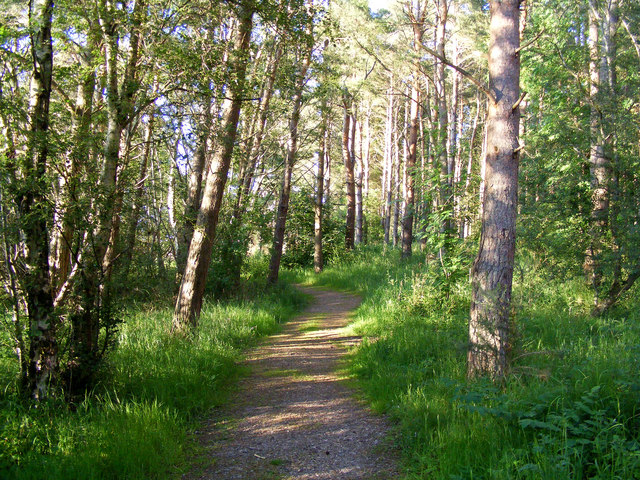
(190, 295)
(318, 260)
(43, 341)
(349, 167)
(417, 17)
(290, 159)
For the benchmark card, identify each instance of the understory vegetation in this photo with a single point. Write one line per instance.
(568, 408)
(152, 391)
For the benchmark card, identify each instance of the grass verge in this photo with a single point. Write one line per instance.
(568, 409)
(135, 424)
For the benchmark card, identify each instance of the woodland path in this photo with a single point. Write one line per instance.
(292, 418)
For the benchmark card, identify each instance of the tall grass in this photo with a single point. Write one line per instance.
(135, 424)
(568, 409)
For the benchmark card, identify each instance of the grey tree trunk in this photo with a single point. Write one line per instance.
(65, 216)
(318, 260)
(492, 271)
(255, 141)
(598, 163)
(417, 20)
(398, 182)
(139, 189)
(347, 157)
(388, 164)
(445, 200)
(189, 302)
(43, 342)
(290, 159)
(359, 178)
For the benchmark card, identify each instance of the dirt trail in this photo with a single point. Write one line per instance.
(292, 418)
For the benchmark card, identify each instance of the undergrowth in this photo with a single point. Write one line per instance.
(568, 409)
(135, 423)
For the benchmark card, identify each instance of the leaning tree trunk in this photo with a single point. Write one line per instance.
(193, 282)
(492, 271)
(290, 159)
(43, 345)
(194, 191)
(255, 140)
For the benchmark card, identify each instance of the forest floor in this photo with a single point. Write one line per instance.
(293, 417)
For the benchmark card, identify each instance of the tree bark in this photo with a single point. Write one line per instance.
(139, 188)
(388, 162)
(359, 178)
(318, 260)
(65, 215)
(492, 271)
(417, 22)
(598, 163)
(194, 191)
(398, 182)
(347, 156)
(255, 141)
(43, 342)
(290, 159)
(189, 302)
(445, 200)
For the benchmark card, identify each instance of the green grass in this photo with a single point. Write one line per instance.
(154, 388)
(569, 408)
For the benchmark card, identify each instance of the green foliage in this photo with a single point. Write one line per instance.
(134, 425)
(299, 244)
(568, 408)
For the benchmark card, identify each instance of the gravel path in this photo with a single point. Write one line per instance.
(292, 418)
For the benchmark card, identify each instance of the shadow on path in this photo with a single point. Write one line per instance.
(292, 418)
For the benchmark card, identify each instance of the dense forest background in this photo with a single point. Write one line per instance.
(164, 163)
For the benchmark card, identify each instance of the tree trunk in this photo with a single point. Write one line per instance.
(417, 21)
(189, 302)
(290, 159)
(492, 271)
(43, 344)
(466, 223)
(318, 261)
(139, 189)
(347, 156)
(388, 163)
(255, 141)
(598, 164)
(65, 215)
(194, 191)
(359, 178)
(445, 200)
(398, 182)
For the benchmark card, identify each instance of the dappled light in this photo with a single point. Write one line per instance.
(456, 183)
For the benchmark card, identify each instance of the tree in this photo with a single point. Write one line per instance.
(290, 157)
(193, 282)
(417, 15)
(43, 341)
(348, 157)
(492, 272)
(318, 260)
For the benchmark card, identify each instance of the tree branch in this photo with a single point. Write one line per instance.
(530, 42)
(462, 71)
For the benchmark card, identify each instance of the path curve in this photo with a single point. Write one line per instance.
(292, 418)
